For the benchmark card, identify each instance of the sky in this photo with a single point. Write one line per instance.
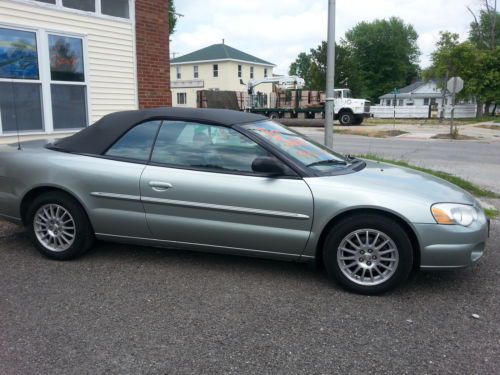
(278, 30)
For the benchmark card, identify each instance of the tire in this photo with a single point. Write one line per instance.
(274, 115)
(357, 121)
(59, 227)
(351, 266)
(346, 118)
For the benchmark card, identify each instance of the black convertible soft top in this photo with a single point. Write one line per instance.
(96, 139)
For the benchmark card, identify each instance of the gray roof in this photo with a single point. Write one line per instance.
(218, 52)
(407, 92)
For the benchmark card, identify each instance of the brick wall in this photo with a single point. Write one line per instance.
(153, 53)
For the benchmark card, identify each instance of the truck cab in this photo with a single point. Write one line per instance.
(348, 110)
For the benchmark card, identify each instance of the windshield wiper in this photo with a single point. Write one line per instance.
(327, 161)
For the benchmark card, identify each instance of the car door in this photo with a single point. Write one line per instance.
(112, 181)
(199, 191)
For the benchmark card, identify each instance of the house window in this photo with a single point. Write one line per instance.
(426, 101)
(20, 85)
(400, 102)
(181, 98)
(178, 72)
(215, 70)
(251, 72)
(87, 5)
(195, 71)
(68, 88)
(116, 8)
(265, 72)
(239, 71)
(29, 103)
(388, 102)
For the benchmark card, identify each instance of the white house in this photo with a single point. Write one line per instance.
(66, 63)
(216, 67)
(418, 93)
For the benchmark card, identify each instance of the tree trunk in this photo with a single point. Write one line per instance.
(479, 109)
(487, 107)
(494, 110)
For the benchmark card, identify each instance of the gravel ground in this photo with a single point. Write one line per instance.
(132, 310)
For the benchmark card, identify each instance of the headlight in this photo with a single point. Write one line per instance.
(454, 213)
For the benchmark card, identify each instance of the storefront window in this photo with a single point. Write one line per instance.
(20, 107)
(87, 5)
(66, 58)
(20, 94)
(117, 8)
(18, 54)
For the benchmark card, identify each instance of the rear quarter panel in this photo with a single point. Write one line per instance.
(30, 168)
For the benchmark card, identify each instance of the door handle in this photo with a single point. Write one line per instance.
(160, 186)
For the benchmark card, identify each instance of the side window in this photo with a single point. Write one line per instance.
(187, 144)
(136, 143)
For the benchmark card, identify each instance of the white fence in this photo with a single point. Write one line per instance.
(461, 111)
(422, 111)
(409, 111)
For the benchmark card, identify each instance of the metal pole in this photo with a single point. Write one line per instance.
(453, 105)
(330, 75)
(443, 97)
(395, 98)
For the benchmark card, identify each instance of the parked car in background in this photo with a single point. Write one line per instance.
(237, 183)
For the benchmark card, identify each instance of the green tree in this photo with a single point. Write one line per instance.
(172, 18)
(302, 67)
(484, 30)
(312, 68)
(479, 68)
(385, 53)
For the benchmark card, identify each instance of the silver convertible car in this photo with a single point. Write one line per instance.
(238, 183)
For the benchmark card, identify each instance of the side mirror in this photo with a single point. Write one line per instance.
(265, 164)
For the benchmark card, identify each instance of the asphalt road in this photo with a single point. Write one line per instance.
(132, 310)
(477, 161)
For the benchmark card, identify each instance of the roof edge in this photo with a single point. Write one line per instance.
(214, 60)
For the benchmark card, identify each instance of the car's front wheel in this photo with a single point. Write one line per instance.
(58, 226)
(368, 254)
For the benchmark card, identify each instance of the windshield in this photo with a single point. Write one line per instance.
(299, 148)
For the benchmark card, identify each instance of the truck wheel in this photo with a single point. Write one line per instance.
(346, 118)
(357, 121)
(274, 115)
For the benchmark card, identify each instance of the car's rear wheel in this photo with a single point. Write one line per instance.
(58, 226)
(368, 254)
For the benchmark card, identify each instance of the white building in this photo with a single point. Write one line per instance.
(66, 63)
(418, 93)
(216, 67)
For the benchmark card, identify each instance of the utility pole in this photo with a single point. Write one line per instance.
(330, 75)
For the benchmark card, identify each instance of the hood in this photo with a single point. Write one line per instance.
(394, 188)
(396, 180)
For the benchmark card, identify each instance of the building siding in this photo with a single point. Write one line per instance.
(227, 80)
(109, 55)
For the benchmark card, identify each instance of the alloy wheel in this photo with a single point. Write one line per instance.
(368, 257)
(54, 227)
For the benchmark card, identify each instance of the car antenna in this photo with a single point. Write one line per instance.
(15, 115)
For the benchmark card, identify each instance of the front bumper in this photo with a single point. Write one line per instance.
(451, 246)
